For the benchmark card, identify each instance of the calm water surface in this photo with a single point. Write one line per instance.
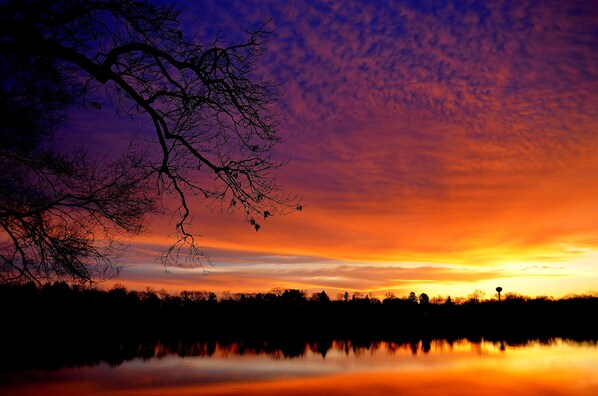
(559, 367)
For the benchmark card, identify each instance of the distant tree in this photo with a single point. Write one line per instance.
(424, 299)
(294, 296)
(226, 296)
(149, 296)
(149, 292)
(199, 296)
(476, 297)
(320, 297)
(241, 297)
(346, 296)
(389, 296)
(118, 288)
(412, 297)
(164, 295)
(515, 297)
(212, 297)
(61, 213)
(498, 290)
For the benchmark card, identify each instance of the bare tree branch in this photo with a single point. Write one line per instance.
(210, 112)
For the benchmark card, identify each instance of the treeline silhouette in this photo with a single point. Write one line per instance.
(58, 325)
(64, 310)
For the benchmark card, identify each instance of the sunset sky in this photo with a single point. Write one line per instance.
(440, 147)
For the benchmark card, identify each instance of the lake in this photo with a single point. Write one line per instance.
(433, 367)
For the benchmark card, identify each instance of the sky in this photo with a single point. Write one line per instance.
(440, 147)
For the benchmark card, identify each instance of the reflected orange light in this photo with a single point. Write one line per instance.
(466, 382)
(381, 368)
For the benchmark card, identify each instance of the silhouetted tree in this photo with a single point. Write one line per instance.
(424, 299)
(320, 297)
(226, 296)
(293, 296)
(118, 292)
(498, 290)
(515, 297)
(357, 296)
(412, 297)
(476, 297)
(60, 213)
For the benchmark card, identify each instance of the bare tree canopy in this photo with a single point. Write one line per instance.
(214, 129)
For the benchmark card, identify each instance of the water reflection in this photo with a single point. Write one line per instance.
(55, 355)
(325, 366)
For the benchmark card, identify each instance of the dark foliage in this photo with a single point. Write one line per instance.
(77, 319)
